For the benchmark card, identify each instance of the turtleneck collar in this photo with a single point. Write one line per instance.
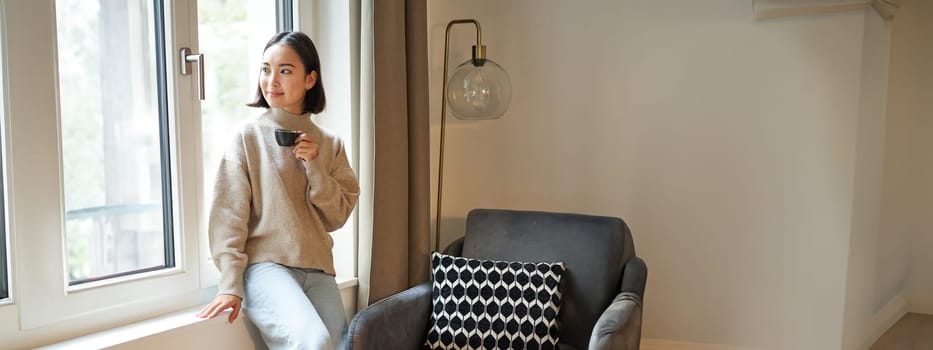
(289, 120)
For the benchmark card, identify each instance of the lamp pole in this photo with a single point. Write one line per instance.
(479, 57)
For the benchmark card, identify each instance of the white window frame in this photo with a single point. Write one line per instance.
(42, 305)
(42, 308)
(7, 310)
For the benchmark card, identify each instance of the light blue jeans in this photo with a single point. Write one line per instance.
(294, 308)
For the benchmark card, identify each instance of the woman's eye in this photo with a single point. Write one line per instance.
(265, 70)
(286, 71)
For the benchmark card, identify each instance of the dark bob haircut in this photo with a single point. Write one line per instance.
(302, 44)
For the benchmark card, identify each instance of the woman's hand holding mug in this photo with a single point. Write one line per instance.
(306, 148)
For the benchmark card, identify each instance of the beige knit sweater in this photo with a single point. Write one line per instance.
(270, 206)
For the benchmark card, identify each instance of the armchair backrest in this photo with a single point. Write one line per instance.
(594, 249)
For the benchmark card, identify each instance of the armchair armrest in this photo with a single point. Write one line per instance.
(634, 277)
(619, 327)
(396, 322)
(455, 248)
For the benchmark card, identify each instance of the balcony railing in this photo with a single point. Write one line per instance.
(114, 240)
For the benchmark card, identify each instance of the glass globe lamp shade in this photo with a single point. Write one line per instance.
(480, 90)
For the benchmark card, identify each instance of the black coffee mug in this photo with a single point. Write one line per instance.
(286, 138)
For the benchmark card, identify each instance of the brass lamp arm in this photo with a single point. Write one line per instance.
(479, 57)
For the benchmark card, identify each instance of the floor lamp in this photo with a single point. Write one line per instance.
(478, 89)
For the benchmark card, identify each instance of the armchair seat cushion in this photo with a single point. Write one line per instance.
(488, 304)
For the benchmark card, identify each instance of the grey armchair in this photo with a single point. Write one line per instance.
(602, 289)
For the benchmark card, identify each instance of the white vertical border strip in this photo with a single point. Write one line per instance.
(366, 150)
(8, 309)
(36, 205)
(355, 121)
(184, 114)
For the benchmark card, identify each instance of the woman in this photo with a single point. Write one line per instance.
(273, 207)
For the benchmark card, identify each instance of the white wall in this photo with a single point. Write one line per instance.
(905, 246)
(864, 321)
(889, 262)
(731, 148)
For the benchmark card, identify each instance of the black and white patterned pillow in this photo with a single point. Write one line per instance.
(485, 304)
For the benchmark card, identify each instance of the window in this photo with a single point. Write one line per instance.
(232, 77)
(229, 84)
(114, 150)
(103, 165)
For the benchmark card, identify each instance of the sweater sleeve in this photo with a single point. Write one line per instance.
(333, 192)
(228, 225)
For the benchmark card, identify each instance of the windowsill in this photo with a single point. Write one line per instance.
(347, 282)
(139, 330)
(158, 325)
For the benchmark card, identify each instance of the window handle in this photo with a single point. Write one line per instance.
(187, 57)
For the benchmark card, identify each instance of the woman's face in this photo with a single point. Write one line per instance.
(283, 80)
